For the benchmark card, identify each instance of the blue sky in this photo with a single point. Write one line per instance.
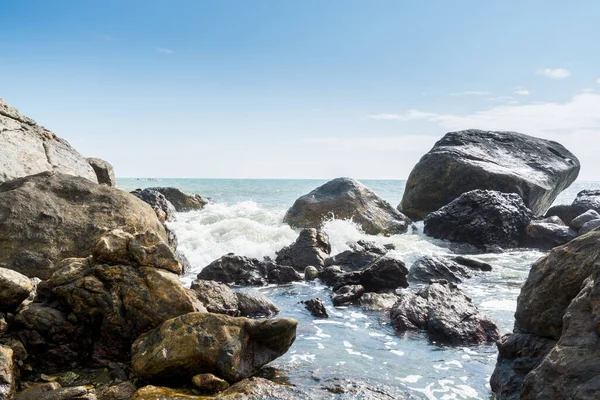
(299, 89)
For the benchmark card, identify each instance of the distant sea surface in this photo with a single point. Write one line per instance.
(354, 347)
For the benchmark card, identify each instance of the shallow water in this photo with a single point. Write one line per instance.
(353, 344)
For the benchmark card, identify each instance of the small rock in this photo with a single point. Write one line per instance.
(475, 265)
(151, 392)
(347, 294)
(383, 274)
(182, 202)
(209, 383)
(14, 288)
(580, 220)
(36, 391)
(67, 378)
(588, 226)
(311, 273)
(316, 308)
(378, 301)
(104, 171)
(428, 268)
(216, 297)
(8, 373)
(543, 235)
(122, 391)
(253, 303)
(360, 255)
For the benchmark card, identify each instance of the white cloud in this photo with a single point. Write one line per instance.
(164, 50)
(470, 93)
(407, 116)
(522, 92)
(558, 73)
(598, 81)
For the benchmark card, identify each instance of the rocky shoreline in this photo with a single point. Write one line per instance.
(92, 305)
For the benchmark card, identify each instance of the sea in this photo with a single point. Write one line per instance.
(355, 353)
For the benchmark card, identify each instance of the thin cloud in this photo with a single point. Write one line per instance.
(598, 81)
(164, 50)
(522, 92)
(471, 93)
(407, 116)
(558, 73)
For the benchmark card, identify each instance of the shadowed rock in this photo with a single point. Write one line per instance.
(182, 202)
(104, 171)
(311, 248)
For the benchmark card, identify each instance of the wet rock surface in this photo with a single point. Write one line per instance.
(162, 207)
(543, 235)
(482, 218)
(316, 308)
(252, 303)
(510, 162)
(345, 198)
(429, 268)
(445, 313)
(311, 248)
(182, 202)
(358, 257)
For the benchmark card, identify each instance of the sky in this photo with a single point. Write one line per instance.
(300, 89)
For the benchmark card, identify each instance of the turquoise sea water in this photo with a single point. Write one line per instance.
(354, 347)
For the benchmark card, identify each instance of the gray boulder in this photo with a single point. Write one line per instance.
(542, 235)
(428, 268)
(311, 248)
(28, 149)
(483, 218)
(48, 217)
(104, 171)
(445, 313)
(586, 200)
(182, 202)
(580, 220)
(316, 308)
(378, 301)
(360, 255)
(589, 226)
(348, 294)
(162, 207)
(510, 162)
(345, 198)
(253, 303)
(216, 297)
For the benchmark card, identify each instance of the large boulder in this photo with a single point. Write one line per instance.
(358, 257)
(162, 207)
(428, 268)
(586, 200)
(195, 343)
(559, 309)
(535, 169)
(91, 310)
(345, 198)
(104, 171)
(182, 202)
(311, 248)
(216, 297)
(14, 288)
(27, 148)
(47, 217)
(445, 313)
(483, 218)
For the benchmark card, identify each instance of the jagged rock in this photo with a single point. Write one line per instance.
(239, 270)
(543, 235)
(562, 211)
(571, 369)
(311, 273)
(472, 264)
(330, 275)
(535, 169)
(104, 171)
(216, 297)
(589, 226)
(195, 343)
(518, 354)
(208, 383)
(162, 207)
(253, 303)
(586, 200)
(106, 301)
(481, 218)
(347, 294)
(345, 198)
(378, 301)
(311, 248)
(445, 313)
(580, 220)
(360, 255)
(48, 217)
(14, 288)
(28, 149)
(428, 268)
(182, 202)
(316, 308)
(383, 274)
(8, 373)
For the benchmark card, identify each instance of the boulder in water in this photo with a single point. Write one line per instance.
(182, 202)
(429, 268)
(311, 248)
(316, 308)
(216, 297)
(196, 343)
(535, 169)
(385, 273)
(482, 218)
(162, 207)
(253, 303)
(27, 148)
(347, 295)
(48, 217)
(580, 220)
(445, 313)
(378, 301)
(542, 235)
(360, 255)
(345, 198)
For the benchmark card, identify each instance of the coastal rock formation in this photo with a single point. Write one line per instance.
(311, 248)
(195, 343)
(360, 255)
(378, 301)
(253, 303)
(483, 218)
(546, 235)
(584, 201)
(245, 271)
(162, 207)
(535, 169)
(28, 149)
(8, 373)
(445, 313)
(216, 297)
(47, 217)
(385, 273)
(345, 198)
(93, 309)
(428, 268)
(182, 202)
(104, 171)
(347, 294)
(558, 308)
(14, 288)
